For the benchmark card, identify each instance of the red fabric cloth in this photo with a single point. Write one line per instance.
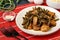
(54, 36)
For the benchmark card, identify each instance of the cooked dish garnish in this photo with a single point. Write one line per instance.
(39, 19)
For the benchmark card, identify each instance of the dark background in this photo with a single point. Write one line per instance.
(21, 2)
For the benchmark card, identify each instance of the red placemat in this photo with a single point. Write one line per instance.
(54, 36)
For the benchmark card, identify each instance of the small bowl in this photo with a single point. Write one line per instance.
(9, 15)
(53, 3)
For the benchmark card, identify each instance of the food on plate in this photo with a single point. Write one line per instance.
(8, 4)
(39, 19)
(45, 28)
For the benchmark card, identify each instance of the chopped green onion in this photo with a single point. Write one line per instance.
(56, 19)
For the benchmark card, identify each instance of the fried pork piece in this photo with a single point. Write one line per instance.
(35, 11)
(45, 28)
(35, 27)
(35, 20)
(30, 27)
(51, 13)
(53, 23)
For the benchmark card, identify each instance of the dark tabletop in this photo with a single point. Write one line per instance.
(22, 2)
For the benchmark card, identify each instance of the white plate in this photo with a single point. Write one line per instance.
(21, 14)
